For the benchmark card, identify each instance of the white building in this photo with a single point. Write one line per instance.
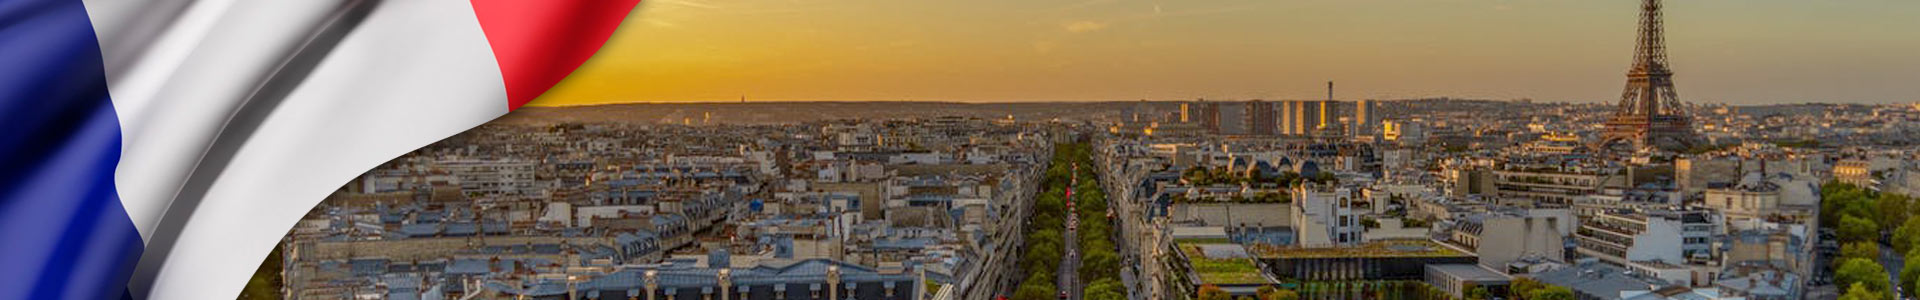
(1629, 237)
(493, 177)
(1500, 238)
(1758, 196)
(1324, 215)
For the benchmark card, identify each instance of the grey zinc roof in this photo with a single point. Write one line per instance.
(680, 275)
(1597, 280)
(462, 229)
(467, 266)
(420, 230)
(1468, 272)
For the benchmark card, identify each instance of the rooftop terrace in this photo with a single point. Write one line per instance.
(1221, 264)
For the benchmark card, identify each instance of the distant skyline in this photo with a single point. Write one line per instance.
(1722, 51)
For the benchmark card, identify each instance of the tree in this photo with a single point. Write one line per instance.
(1866, 250)
(1429, 291)
(1322, 177)
(1551, 293)
(1907, 235)
(1094, 231)
(1910, 273)
(1044, 222)
(1893, 208)
(1093, 294)
(1862, 271)
(1411, 222)
(1521, 288)
(1041, 259)
(1861, 292)
(1213, 292)
(265, 283)
(1099, 263)
(1288, 179)
(1107, 286)
(1275, 293)
(1036, 289)
(1285, 295)
(1479, 293)
(1840, 199)
(1857, 229)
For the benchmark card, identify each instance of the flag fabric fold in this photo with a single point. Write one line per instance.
(189, 136)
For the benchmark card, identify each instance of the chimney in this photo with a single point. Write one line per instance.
(1329, 90)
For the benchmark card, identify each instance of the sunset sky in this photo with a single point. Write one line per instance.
(1723, 51)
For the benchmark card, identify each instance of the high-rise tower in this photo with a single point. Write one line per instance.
(1261, 118)
(1649, 113)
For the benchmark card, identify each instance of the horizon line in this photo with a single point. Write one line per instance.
(538, 103)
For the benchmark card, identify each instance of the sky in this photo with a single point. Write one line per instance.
(1722, 51)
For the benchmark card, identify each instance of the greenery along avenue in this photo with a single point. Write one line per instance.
(1858, 216)
(1046, 243)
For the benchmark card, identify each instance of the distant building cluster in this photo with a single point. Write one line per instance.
(1460, 195)
(900, 209)
(1255, 118)
(1446, 196)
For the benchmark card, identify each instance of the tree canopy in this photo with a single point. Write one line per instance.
(1213, 292)
(1862, 271)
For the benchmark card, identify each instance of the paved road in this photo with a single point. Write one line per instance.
(1893, 261)
(1070, 266)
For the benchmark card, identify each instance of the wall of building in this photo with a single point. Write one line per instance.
(429, 248)
(1232, 214)
(1504, 240)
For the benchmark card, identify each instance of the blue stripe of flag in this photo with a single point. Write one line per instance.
(63, 232)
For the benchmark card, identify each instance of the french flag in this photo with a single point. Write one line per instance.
(159, 149)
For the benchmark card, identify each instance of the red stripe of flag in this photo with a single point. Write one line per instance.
(539, 42)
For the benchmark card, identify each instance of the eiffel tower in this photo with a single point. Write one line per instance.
(1649, 114)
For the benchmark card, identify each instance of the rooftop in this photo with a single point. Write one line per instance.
(1204, 233)
(1374, 249)
(1221, 264)
(1598, 279)
(1468, 272)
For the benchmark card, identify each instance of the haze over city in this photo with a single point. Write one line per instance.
(1737, 52)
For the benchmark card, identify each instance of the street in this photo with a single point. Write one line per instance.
(1893, 262)
(1070, 268)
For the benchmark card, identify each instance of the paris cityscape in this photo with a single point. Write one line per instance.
(1648, 196)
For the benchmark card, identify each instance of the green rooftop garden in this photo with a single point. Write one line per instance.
(1223, 270)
